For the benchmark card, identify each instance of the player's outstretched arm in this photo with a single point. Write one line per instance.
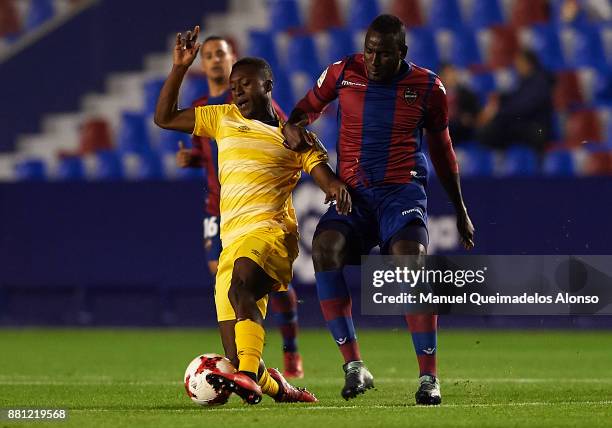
(445, 164)
(334, 188)
(167, 113)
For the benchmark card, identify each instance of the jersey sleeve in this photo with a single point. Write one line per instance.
(436, 113)
(208, 118)
(312, 158)
(323, 92)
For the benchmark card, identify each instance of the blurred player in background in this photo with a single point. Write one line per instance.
(385, 103)
(258, 228)
(217, 58)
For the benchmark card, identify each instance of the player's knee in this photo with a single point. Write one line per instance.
(328, 250)
(242, 288)
(408, 248)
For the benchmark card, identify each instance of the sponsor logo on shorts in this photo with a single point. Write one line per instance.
(413, 210)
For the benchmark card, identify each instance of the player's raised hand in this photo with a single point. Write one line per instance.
(466, 229)
(183, 156)
(186, 47)
(337, 191)
(298, 138)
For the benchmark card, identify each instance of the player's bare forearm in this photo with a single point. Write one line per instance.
(167, 113)
(334, 188)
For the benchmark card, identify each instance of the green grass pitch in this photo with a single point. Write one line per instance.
(112, 378)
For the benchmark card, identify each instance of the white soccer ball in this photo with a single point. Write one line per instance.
(196, 385)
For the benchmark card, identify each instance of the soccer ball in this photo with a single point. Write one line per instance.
(196, 385)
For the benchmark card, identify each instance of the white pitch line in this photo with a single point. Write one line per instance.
(376, 406)
(102, 381)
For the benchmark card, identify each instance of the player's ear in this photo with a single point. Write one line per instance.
(268, 85)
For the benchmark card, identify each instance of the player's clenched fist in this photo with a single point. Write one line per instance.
(183, 156)
(186, 47)
(298, 138)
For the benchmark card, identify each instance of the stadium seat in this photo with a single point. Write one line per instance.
(108, 166)
(340, 45)
(544, 41)
(474, 160)
(133, 134)
(283, 92)
(503, 46)
(31, 170)
(169, 140)
(482, 84)
(485, 13)
(422, 49)
(464, 52)
(284, 15)
(71, 168)
(444, 14)
(95, 134)
(584, 48)
(409, 11)
(361, 13)
(520, 161)
(559, 163)
(303, 55)
(261, 44)
(567, 93)
(143, 166)
(582, 126)
(39, 12)
(10, 24)
(152, 88)
(195, 86)
(323, 15)
(529, 12)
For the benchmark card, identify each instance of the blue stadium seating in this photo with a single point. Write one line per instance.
(31, 170)
(302, 55)
(149, 166)
(261, 44)
(559, 163)
(520, 160)
(283, 92)
(482, 84)
(547, 46)
(485, 13)
(361, 13)
(151, 89)
(133, 135)
(588, 49)
(284, 15)
(193, 87)
(71, 169)
(475, 160)
(465, 50)
(169, 140)
(108, 166)
(39, 12)
(445, 14)
(341, 44)
(422, 49)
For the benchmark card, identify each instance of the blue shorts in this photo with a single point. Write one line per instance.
(212, 237)
(379, 213)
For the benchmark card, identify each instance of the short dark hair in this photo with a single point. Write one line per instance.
(214, 38)
(260, 63)
(531, 57)
(390, 24)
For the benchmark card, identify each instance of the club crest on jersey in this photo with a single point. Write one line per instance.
(410, 96)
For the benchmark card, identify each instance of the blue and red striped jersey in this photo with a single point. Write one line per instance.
(380, 123)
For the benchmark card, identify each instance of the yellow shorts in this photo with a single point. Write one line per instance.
(274, 251)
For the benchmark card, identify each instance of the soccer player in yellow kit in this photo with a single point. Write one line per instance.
(258, 223)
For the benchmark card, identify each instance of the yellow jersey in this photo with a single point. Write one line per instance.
(257, 173)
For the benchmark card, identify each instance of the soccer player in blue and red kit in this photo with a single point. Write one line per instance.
(217, 58)
(385, 104)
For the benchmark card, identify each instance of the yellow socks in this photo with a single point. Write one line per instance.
(249, 344)
(268, 385)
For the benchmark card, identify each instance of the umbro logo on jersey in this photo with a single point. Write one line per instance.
(255, 252)
(244, 128)
(410, 96)
(349, 83)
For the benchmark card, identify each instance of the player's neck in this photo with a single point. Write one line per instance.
(266, 114)
(216, 88)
